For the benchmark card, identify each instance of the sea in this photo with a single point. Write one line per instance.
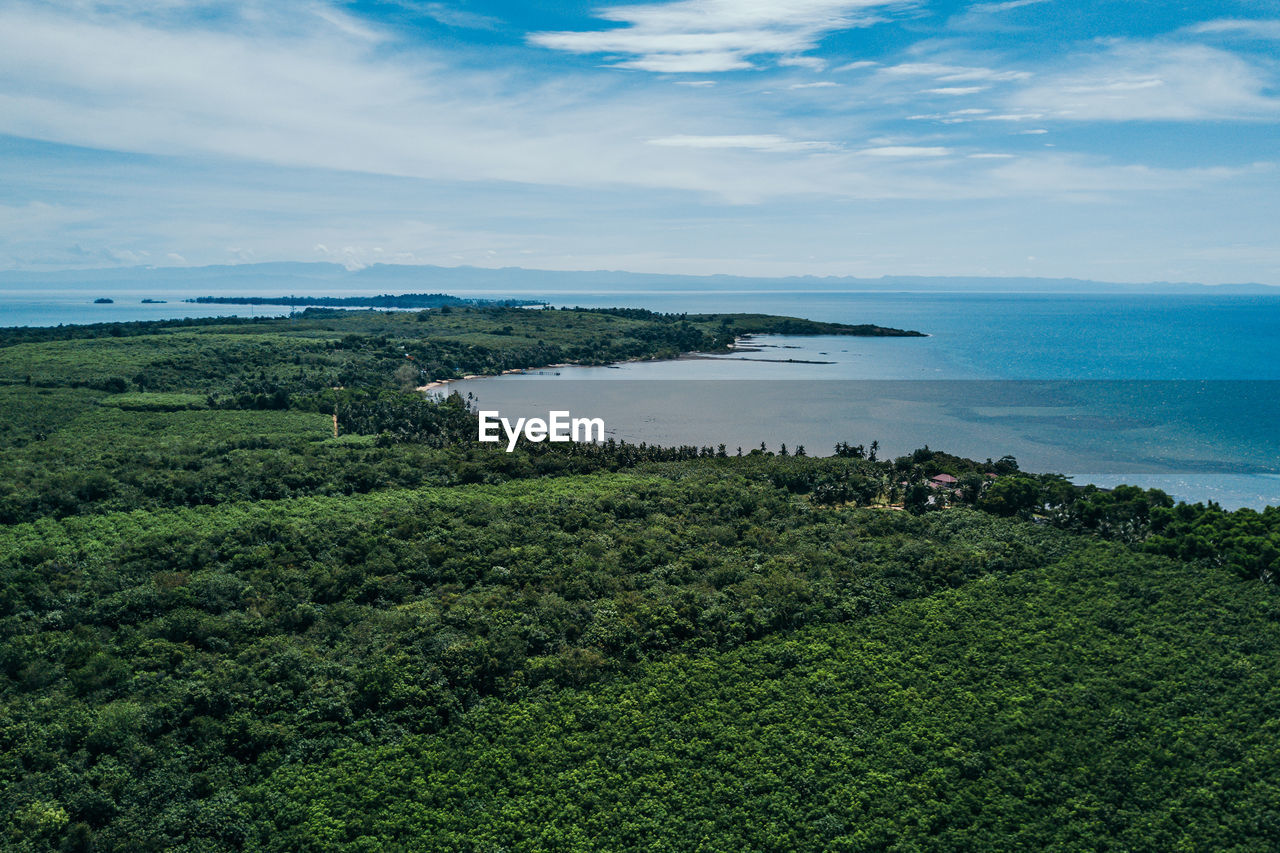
(1177, 392)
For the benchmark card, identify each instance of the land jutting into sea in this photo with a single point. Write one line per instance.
(262, 594)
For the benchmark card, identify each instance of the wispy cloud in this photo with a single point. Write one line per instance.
(274, 127)
(1144, 81)
(996, 18)
(811, 62)
(451, 16)
(996, 8)
(757, 142)
(906, 151)
(311, 95)
(1245, 27)
(704, 36)
(1085, 177)
(953, 73)
(226, 16)
(972, 115)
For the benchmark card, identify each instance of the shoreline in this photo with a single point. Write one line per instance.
(744, 343)
(707, 355)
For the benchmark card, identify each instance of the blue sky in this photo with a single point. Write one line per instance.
(1107, 140)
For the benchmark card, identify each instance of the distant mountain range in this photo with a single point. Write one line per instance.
(386, 300)
(325, 279)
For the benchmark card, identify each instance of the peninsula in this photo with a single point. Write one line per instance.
(248, 572)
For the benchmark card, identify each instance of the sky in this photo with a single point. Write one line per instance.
(1119, 141)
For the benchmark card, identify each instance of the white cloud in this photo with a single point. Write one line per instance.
(713, 35)
(996, 8)
(952, 116)
(346, 24)
(952, 73)
(957, 90)
(1245, 27)
(810, 62)
(753, 142)
(322, 97)
(821, 84)
(906, 151)
(1153, 81)
(1085, 178)
(966, 116)
(330, 104)
(276, 214)
(854, 66)
(451, 16)
(226, 16)
(702, 62)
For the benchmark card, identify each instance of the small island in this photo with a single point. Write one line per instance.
(102, 300)
(155, 301)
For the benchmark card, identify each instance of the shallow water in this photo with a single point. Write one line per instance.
(1178, 393)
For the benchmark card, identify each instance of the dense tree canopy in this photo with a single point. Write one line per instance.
(222, 628)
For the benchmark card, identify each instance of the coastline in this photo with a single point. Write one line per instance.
(692, 355)
(440, 383)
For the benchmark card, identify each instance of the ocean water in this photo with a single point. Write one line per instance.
(1179, 392)
(1025, 336)
(66, 309)
(1171, 391)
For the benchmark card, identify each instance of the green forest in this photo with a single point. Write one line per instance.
(260, 594)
